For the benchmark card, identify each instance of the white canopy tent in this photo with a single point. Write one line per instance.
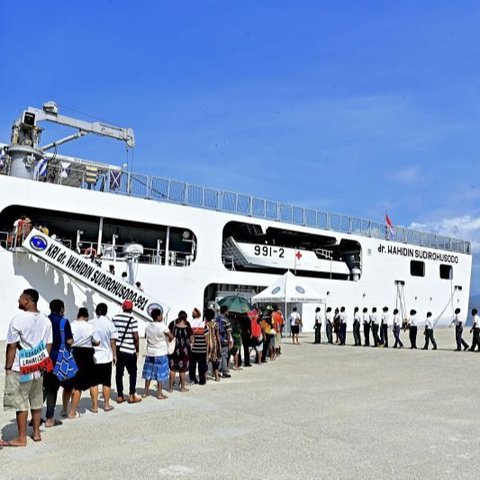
(288, 289)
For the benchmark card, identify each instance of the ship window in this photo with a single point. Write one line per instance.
(417, 269)
(446, 272)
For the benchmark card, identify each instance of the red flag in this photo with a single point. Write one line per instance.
(389, 224)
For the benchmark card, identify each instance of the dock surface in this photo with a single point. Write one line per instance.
(317, 412)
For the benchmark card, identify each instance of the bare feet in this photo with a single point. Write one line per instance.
(75, 416)
(13, 443)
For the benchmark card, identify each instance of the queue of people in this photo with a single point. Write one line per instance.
(44, 354)
(376, 328)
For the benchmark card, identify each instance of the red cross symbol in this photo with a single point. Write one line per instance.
(298, 255)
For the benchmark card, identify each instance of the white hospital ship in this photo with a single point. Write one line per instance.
(190, 245)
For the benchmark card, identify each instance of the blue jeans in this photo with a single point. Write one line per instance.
(224, 360)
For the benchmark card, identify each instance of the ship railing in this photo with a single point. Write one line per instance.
(118, 181)
(115, 253)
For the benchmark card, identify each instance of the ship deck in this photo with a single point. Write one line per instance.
(317, 412)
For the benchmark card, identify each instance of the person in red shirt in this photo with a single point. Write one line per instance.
(257, 337)
(278, 324)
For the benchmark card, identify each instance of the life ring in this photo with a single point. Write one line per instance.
(90, 251)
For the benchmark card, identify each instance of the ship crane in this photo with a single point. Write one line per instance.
(24, 152)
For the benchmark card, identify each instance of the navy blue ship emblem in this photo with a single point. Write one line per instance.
(39, 243)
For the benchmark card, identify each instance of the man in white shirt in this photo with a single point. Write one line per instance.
(329, 325)
(413, 328)
(384, 327)
(458, 322)
(375, 327)
(343, 326)
(397, 325)
(105, 355)
(318, 325)
(295, 322)
(429, 332)
(476, 331)
(356, 327)
(366, 326)
(29, 330)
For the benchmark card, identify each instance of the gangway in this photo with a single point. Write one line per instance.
(90, 274)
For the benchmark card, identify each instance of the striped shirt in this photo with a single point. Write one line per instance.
(199, 331)
(121, 323)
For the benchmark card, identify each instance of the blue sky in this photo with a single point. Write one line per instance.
(352, 106)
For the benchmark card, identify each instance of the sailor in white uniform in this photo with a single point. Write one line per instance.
(384, 327)
(375, 327)
(356, 327)
(429, 332)
(413, 327)
(458, 322)
(476, 331)
(397, 325)
(329, 325)
(366, 326)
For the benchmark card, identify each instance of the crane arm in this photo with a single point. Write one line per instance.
(49, 113)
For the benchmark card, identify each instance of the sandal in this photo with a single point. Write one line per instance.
(77, 415)
(134, 399)
(108, 409)
(56, 423)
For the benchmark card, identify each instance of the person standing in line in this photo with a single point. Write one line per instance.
(179, 360)
(295, 322)
(198, 353)
(278, 324)
(458, 322)
(343, 326)
(226, 340)
(397, 325)
(375, 326)
(318, 326)
(156, 358)
(476, 330)
(384, 327)
(268, 335)
(237, 341)
(104, 357)
(412, 327)
(257, 337)
(85, 338)
(213, 342)
(429, 332)
(356, 327)
(246, 339)
(51, 383)
(366, 326)
(329, 325)
(336, 325)
(128, 347)
(27, 330)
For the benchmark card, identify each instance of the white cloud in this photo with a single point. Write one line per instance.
(407, 174)
(464, 228)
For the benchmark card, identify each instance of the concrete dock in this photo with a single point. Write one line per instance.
(319, 411)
